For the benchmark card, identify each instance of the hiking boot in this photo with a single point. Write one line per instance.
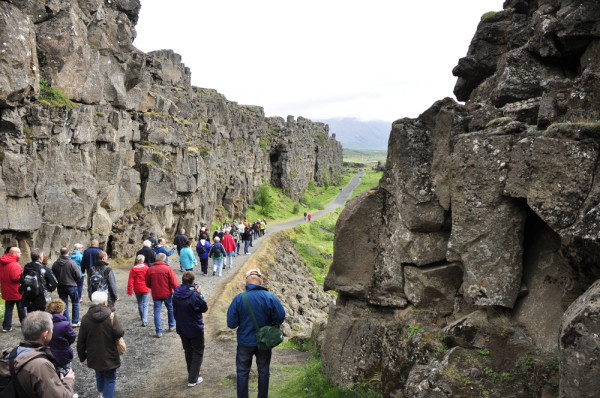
(171, 330)
(200, 380)
(144, 324)
(214, 272)
(158, 335)
(7, 330)
(76, 325)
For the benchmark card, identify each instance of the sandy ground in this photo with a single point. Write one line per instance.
(154, 367)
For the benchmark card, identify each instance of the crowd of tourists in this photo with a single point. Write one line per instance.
(41, 365)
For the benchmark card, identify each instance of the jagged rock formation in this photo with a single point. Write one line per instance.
(142, 150)
(485, 225)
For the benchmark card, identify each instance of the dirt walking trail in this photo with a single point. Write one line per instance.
(155, 367)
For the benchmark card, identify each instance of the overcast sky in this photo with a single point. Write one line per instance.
(381, 59)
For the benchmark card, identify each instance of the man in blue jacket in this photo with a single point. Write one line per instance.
(188, 307)
(90, 257)
(268, 311)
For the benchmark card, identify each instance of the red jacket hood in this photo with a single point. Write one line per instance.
(7, 259)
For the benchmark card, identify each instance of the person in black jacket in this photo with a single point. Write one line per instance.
(96, 343)
(109, 279)
(180, 240)
(188, 306)
(48, 283)
(67, 274)
(147, 252)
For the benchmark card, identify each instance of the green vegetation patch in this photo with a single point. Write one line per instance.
(52, 96)
(364, 156)
(310, 382)
(314, 243)
(368, 181)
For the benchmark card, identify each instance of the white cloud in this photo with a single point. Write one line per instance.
(319, 59)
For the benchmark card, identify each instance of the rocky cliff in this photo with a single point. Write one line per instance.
(484, 230)
(138, 149)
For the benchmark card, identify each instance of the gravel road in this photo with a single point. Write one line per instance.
(156, 367)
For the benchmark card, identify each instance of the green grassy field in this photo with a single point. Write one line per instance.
(364, 156)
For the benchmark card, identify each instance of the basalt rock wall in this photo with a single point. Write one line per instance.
(484, 230)
(142, 149)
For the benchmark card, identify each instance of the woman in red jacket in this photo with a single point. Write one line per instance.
(137, 284)
(10, 276)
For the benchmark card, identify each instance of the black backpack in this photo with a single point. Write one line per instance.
(98, 281)
(33, 285)
(9, 385)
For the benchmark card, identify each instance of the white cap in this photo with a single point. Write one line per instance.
(253, 271)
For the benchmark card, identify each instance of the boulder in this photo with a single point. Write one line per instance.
(434, 286)
(352, 269)
(487, 227)
(579, 346)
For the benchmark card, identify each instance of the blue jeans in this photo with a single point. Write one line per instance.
(157, 307)
(246, 245)
(218, 265)
(143, 300)
(80, 286)
(70, 292)
(229, 258)
(106, 381)
(8, 313)
(243, 362)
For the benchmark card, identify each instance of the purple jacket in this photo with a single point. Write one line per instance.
(62, 338)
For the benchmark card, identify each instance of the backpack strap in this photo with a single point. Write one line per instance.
(245, 296)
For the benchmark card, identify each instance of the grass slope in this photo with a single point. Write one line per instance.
(314, 242)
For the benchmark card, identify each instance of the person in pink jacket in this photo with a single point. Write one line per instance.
(229, 246)
(10, 276)
(137, 285)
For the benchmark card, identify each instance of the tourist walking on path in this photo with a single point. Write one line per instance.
(304, 216)
(63, 335)
(246, 238)
(10, 277)
(161, 280)
(309, 217)
(137, 284)
(90, 257)
(188, 307)
(77, 255)
(180, 240)
(34, 363)
(217, 253)
(37, 283)
(68, 274)
(103, 279)
(187, 260)
(229, 246)
(268, 311)
(162, 248)
(96, 343)
(203, 248)
(147, 252)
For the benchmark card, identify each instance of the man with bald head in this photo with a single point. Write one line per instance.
(90, 257)
(268, 311)
(10, 276)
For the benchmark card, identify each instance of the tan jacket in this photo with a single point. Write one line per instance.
(38, 376)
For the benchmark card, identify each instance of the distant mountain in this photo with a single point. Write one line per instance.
(356, 134)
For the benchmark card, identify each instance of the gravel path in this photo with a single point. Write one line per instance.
(156, 367)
